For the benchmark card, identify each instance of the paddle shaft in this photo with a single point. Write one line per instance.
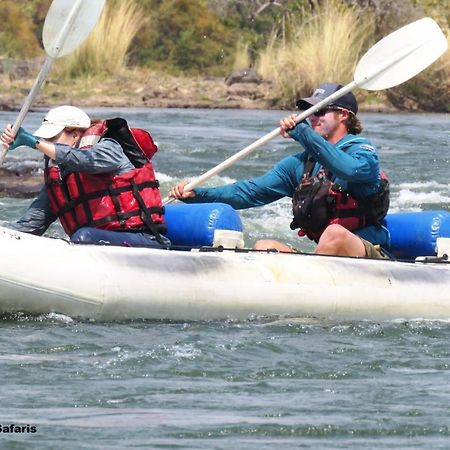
(58, 45)
(28, 101)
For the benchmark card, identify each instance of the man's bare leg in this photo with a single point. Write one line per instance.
(337, 240)
(270, 244)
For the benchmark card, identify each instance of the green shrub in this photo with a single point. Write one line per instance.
(185, 35)
(17, 38)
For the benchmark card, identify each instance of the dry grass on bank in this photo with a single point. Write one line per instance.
(106, 49)
(323, 47)
(241, 55)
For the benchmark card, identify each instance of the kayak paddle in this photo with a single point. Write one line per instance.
(66, 26)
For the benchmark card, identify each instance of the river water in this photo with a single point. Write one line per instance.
(256, 384)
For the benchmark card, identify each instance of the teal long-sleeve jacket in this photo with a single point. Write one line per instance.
(353, 161)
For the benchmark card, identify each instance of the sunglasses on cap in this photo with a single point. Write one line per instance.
(328, 109)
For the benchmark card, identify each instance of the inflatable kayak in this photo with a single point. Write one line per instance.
(209, 276)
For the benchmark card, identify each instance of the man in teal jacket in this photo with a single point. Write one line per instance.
(331, 140)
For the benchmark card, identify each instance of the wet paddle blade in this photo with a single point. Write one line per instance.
(68, 24)
(401, 55)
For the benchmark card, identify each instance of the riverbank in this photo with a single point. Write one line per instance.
(142, 88)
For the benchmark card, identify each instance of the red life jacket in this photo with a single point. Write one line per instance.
(318, 202)
(129, 201)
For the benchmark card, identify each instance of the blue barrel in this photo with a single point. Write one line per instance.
(193, 225)
(414, 233)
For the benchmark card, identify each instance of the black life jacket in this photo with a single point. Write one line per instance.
(318, 202)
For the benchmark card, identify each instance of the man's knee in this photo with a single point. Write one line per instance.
(334, 232)
(337, 240)
(264, 244)
(270, 244)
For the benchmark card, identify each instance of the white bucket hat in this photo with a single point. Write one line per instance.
(61, 117)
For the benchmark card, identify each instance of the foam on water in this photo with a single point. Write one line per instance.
(415, 196)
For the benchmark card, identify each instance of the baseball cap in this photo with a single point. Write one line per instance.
(347, 101)
(61, 117)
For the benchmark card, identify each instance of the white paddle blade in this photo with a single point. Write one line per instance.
(68, 24)
(401, 55)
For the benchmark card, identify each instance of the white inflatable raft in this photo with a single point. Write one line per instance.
(40, 275)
